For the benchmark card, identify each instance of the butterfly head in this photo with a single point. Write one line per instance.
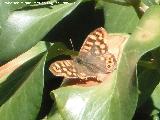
(78, 60)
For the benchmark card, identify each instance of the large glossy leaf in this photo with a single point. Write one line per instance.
(115, 17)
(116, 1)
(25, 27)
(150, 2)
(54, 115)
(116, 98)
(144, 38)
(156, 98)
(149, 100)
(24, 88)
(17, 4)
(6, 7)
(14, 74)
(148, 74)
(147, 79)
(9, 67)
(4, 11)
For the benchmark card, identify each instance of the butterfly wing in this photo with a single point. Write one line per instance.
(95, 43)
(64, 68)
(94, 52)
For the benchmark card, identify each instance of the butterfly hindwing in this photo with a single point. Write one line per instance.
(110, 62)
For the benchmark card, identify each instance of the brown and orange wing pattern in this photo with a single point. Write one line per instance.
(64, 68)
(95, 42)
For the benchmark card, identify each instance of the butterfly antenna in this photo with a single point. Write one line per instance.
(71, 44)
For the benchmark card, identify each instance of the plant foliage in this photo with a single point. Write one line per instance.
(34, 35)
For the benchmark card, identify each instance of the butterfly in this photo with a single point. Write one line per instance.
(93, 59)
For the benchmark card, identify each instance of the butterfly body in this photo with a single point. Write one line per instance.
(93, 59)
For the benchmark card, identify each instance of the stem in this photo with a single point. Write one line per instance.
(143, 7)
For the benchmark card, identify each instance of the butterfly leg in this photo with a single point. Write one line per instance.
(82, 76)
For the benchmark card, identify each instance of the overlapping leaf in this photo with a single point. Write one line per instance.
(21, 85)
(25, 27)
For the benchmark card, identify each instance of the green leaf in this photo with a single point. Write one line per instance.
(24, 88)
(54, 115)
(9, 67)
(116, 20)
(155, 97)
(17, 4)
(145, 38)
(6, 7)
(4, 12)
(57, 49)
(147, 79)
(151, 2)
(116, 98)
(24, 28)
(14, 81)
(148, 74)
(116, 1)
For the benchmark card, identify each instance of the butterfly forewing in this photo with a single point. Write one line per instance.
(95, 43)
(64, 68)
